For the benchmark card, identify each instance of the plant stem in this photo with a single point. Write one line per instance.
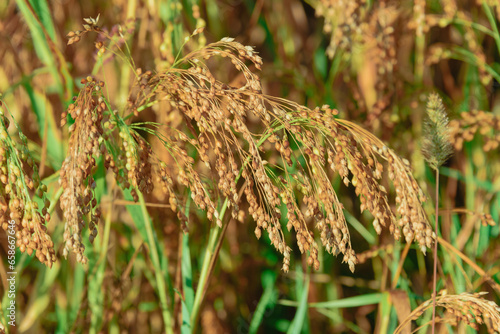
(105, 237)
(167, 317)
(214, 241)
(210, 253)
(97, 276)
(434, 292)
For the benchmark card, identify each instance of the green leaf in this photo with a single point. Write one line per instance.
(186, 319)
(301, 314)
(385, 307)
(45, 118)
(43, 42)
(321, 62)
(76, 293)
(42, 9)
(267, 299)
(369, 299)
(187, 275)
(159, 260)
(360, 228)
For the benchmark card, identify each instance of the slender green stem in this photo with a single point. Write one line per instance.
(96, 302)
(167, 317)
(434, 292)
(215, 235)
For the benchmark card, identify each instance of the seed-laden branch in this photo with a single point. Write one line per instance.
(286, 154)
(236, 131)
(466, 308)
(231, 141)
(233, 130)
(20, 185)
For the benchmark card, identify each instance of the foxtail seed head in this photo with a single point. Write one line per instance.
(436, 143)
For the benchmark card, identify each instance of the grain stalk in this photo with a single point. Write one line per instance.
(436, 149)
(214, 243)
(160, 281)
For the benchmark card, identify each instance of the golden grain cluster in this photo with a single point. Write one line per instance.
(20, 183)
(308, 149)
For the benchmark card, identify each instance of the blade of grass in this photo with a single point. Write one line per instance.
(360, 228)
(187, 285)
(41, 296)
(384, 313)
(44, 113)
(267, 299)
(301, 314)
(75, 293)
(481, 184)
(471, 263)
(143, 223)
(467, 56)
(62, 317)
(42, 31)
(216, 234)
(96, 279)
(493, 22)
(368, 299)
(186, 324)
